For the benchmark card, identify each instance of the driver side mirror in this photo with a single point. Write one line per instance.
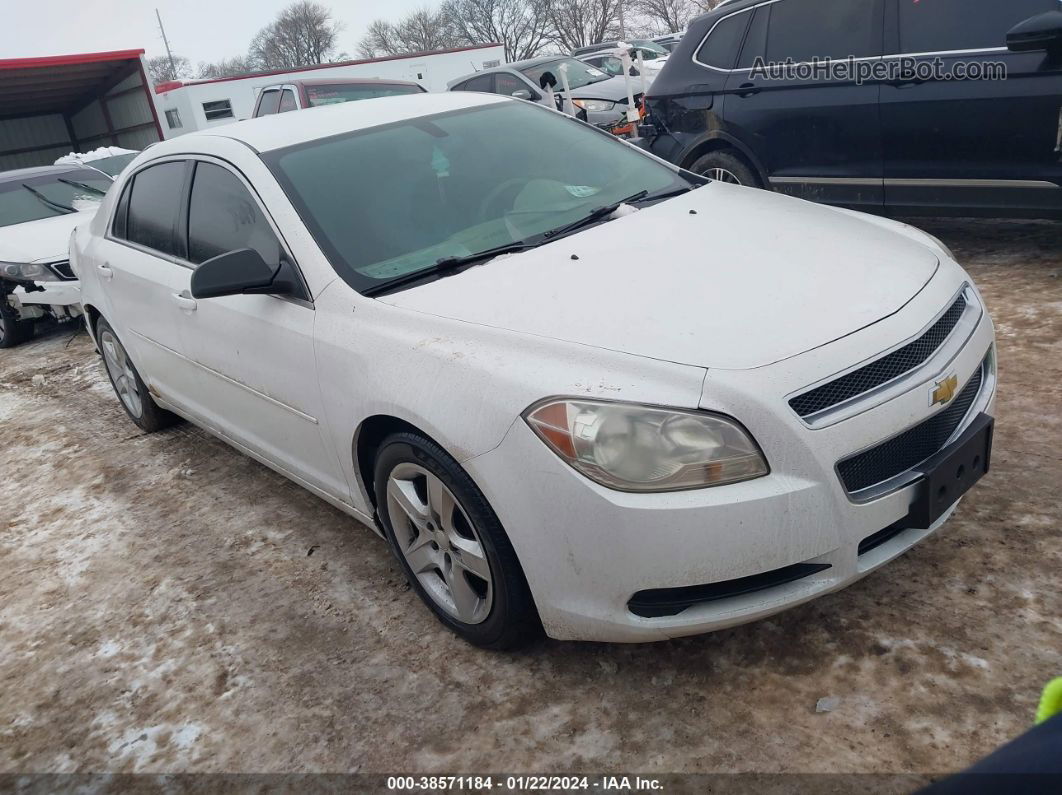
(241, 272)
(521, 93)
(1042, 32)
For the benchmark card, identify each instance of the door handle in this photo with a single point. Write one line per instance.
(105, 272)
(905, 83)
(185, 302)
(748, 90)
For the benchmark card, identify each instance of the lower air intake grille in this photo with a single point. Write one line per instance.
(63, 271)
(913, 446)
(885, 369)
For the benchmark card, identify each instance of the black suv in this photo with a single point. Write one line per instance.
(908, 139)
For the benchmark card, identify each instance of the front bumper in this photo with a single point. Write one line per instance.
(64, 294)
(587, 550)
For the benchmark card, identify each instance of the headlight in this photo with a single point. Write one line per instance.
(594, 105)
(27, 272)
(642, 448)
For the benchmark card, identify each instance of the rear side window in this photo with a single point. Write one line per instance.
(808, 29)
(223, 217)
(721, 47)
(153, 205)
(481, 83)
(287, 101)
(121, 213)
(270, 103)
(945, 25)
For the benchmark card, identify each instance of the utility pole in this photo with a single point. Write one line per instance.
(162, 30)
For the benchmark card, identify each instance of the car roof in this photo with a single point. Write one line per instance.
(335, 81)
(38, 171)
(279, 130)
(527, 63)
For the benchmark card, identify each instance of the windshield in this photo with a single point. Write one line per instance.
(389, 201)
(113, 165)
(34, 198)
(650, 49)
(349, 92)
(579, 74)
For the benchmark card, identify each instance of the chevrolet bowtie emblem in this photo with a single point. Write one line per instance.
(944, 390)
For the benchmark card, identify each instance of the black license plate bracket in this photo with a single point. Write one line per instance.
(952, 472)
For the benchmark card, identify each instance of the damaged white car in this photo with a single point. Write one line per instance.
(39, 208)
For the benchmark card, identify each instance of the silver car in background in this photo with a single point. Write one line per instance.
(600, 96)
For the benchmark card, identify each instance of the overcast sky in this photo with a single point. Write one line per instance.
(201, 30)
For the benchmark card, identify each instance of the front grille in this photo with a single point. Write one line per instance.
(882, 370)
(913, 446)
(63, 271)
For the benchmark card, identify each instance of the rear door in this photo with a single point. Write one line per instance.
(258, 372)
(817, 135)
(982, 145)
(145, 286)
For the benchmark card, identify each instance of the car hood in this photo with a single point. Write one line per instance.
(45, 240)
(722, 276)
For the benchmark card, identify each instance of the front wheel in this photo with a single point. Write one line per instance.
(723, 166)
(13, 331)
(451, 545)
(128, 385)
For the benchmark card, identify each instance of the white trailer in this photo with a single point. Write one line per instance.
(188, 105)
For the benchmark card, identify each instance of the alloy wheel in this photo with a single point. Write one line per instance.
(722, 175)
(122, 375)
(439, 543)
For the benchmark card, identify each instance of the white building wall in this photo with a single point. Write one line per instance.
(433, 72)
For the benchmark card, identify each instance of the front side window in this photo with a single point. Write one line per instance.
(223, 217)
(287, 101)
(506, 84)
(807, 29)
(219, 109)
(46, 196)
(389, 201)
(947, 25)
(609, 64)
(579, 74)
(351, 92)
(153, 206)
(721, 47)
(173, 119)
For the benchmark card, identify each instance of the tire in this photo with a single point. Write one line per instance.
(129, 387)
(450, 544)
(13, 331)
(726, 166)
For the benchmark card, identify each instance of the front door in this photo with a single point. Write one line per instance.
(816, 134)
(255, 352)
(989, 143)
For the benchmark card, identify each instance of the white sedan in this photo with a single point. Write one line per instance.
(573, 386)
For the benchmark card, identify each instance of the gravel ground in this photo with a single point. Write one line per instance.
(167, 604)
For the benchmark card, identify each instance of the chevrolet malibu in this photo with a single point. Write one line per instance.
(574, 387)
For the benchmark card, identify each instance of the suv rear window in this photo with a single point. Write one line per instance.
(808, 29)
(351, 92)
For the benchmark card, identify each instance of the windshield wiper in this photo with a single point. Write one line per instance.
(48, 201)
(446, 266)
(82, 185)
(594, 215)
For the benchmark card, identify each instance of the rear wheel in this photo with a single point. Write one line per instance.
(724, 166)
(13, 331)
(451, 545)
(128, 385)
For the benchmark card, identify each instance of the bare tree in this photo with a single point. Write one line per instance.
(576, 23)
(161, 71)
(420, 31)
(227, 67)
(303, 34)
(521, 26)
(671, 16)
